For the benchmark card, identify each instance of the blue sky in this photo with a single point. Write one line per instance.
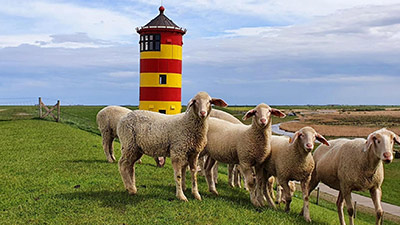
(279, 52)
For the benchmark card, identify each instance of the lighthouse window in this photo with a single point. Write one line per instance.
(150, 42)
(163, 79)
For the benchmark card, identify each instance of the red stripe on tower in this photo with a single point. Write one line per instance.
(160, 94)
(160, 66)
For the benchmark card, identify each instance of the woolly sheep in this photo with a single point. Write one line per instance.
(180, 137)
(355, 165)
(240, 144)
(233, 170)
(291, 159)
(107, 120)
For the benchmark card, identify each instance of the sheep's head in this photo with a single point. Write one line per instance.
(262, 114)
(306, 137)
(201, 104)
(381, 142)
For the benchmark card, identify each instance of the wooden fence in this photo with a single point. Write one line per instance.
(49, 110)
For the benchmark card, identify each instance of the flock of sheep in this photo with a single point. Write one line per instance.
(215, 136)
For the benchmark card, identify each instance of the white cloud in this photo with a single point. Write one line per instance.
(47, 17)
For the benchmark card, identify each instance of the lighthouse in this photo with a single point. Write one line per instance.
(160, 65)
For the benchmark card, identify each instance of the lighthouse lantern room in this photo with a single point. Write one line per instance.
(160, 65)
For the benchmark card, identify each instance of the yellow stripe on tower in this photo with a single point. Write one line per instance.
(153, 80)
(167, 52)
(169, 107)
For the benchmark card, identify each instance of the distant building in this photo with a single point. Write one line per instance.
(161, 65)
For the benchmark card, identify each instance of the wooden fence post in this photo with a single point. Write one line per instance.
(40, 107)
(58, 111)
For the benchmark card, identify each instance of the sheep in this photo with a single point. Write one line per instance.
(355, 165)
(233, 170)
(240, 144)
(107, 120)
(291, 159)
(180, 137)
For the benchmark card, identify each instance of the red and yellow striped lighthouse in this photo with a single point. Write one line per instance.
(161, 65)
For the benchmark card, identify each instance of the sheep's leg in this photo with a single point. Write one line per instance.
(313, 182)
(376, 195)
(248, 174)
(184, 177)
(108, 146)
(270, 188)
(215, 172)
(231, 175)
(304, 188)
(127, 169)
(209, 175)
(286, 194)
(193, 171)
(261, 185)
(236, 176)
(177, 166)
(349, 205)
(278, 194)
(339, 205)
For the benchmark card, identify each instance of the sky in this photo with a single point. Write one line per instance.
(280, 52)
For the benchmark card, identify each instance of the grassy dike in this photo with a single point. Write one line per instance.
(54, 173)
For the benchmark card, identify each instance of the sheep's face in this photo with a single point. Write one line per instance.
(202, 102)
(306, 137)
(262, 114)
(381, 142)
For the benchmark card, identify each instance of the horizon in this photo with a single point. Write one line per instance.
(245, 52)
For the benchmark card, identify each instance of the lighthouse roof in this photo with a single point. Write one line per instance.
(161, 22)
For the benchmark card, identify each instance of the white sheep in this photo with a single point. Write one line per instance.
(107, 120)
(355, 165)
(233, 169)
(291, 159)
(180, 137)
(241, 144)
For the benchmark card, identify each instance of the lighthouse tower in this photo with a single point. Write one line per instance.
(161, 65)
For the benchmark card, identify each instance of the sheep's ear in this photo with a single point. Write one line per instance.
(190, 103)
(396, 138)
(370, 141)
(249, 114)
(218, 102)
(321, 139)
(278, 113)
(295, 136)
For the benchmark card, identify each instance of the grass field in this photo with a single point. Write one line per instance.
(54, 173)
(57, 174)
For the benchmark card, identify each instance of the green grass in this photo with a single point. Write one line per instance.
(53, 173)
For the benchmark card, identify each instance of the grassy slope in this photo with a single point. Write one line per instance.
(54, 173)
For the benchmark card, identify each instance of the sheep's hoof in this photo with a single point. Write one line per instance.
(182, 198)
(132, 191)
(308, 220)
(232, 185)
(255, 203)
(110, 160)
(197, 196)
(215, 192)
